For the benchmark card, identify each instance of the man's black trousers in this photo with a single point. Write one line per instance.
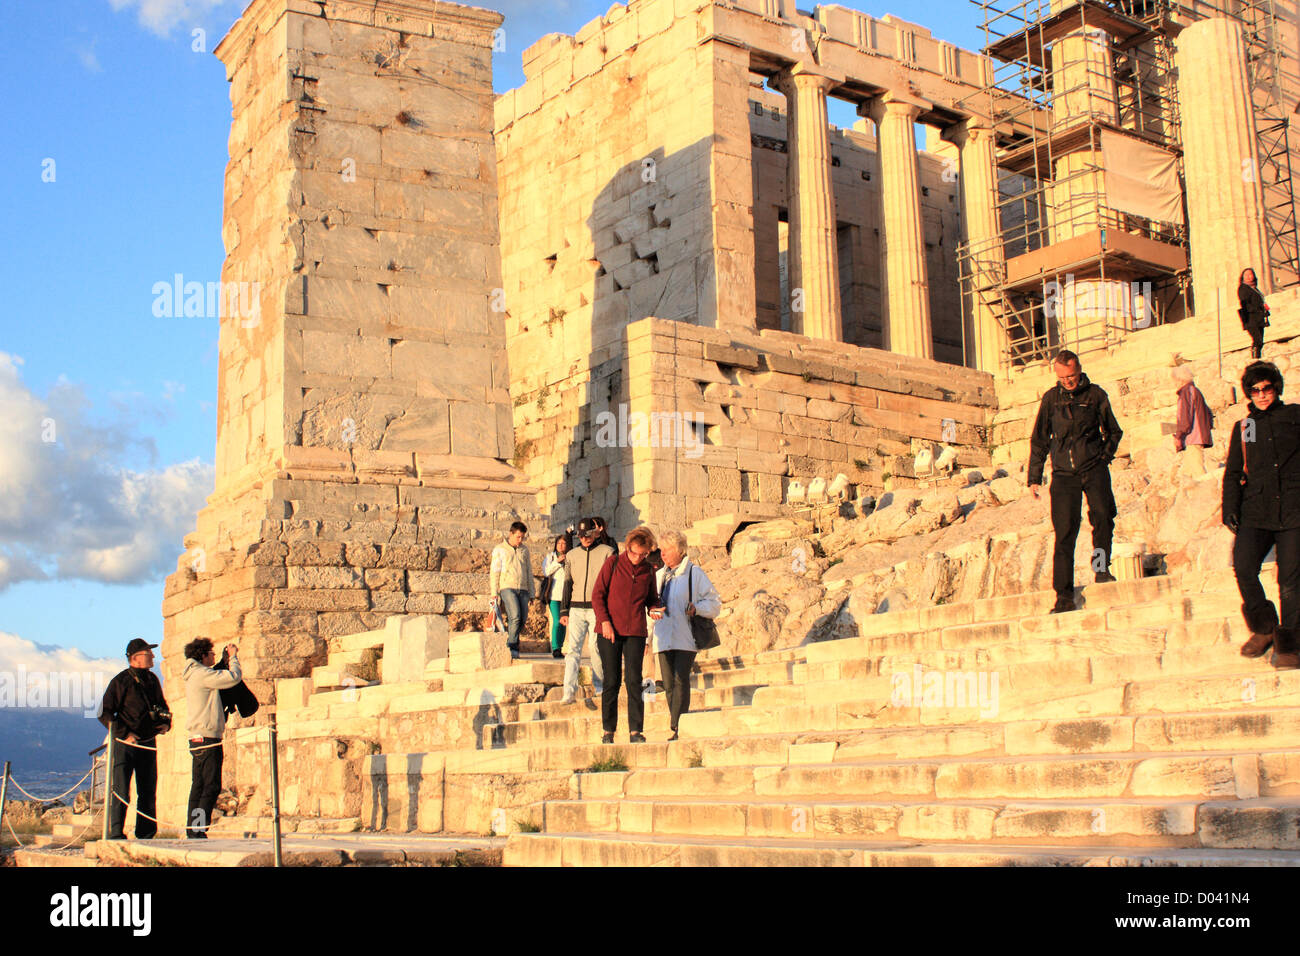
(621, 658)
(1067, 493)
(131, 761)
(205, 784)
(1248, 553)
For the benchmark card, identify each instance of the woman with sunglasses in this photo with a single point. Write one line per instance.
(1261, 506)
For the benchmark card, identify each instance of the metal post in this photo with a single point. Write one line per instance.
(275, 793)
(1218, 326)
(4, 789)
(108, 781)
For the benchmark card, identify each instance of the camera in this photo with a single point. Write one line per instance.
(160, 714)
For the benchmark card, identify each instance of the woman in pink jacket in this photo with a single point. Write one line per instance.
(1192, 429)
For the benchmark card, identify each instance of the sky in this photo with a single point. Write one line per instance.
(116, 115)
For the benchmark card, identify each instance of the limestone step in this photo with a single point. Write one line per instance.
(610, 850)
(1239, 824)
(584, 728)
(1208, 775)
(36, 857)
(336, 676)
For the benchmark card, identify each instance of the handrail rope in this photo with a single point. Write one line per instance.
(155, 820)
(10, 824)
(19, 787)
(68, 845)
(193, 749)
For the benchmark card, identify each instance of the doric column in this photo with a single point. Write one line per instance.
(978, 182)
(814, 271)
(907, 291)
(1225, 204)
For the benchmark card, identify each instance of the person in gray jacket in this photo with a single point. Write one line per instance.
(582, 565)
(685, 591)
(204, 727)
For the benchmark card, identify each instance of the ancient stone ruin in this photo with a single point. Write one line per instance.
(651, 283)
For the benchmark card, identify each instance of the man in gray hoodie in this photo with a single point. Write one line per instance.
(204, 727)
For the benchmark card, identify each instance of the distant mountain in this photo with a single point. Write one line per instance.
(40, 740)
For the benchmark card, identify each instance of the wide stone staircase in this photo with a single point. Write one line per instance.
(985, 733)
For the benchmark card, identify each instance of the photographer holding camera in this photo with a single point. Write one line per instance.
(207, 720)
(135, 712)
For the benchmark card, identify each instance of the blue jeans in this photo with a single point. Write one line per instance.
(581, 620)
(514, 601)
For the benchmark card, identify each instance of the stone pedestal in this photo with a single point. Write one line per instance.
(907, 292)
(814, 270)
(362, 411)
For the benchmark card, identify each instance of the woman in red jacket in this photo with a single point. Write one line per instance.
(623, 594)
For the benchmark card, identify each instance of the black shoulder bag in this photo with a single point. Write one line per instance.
(703, 629)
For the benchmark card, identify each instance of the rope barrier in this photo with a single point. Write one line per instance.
(10, 824)
(193, 749)
(19, 787)
(154, 820)
(69, 844)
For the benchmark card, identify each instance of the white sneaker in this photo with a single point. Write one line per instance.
(568, 700)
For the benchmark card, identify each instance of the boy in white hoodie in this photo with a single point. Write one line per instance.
(205, 725)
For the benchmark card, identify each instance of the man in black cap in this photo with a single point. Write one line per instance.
(135, 712)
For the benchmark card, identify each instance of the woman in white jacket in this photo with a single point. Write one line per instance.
(685, 590)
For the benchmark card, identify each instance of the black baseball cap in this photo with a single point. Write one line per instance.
(587, 526)
(138, 645)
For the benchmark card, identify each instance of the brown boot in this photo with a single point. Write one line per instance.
(1286, 650)
(1263, 630)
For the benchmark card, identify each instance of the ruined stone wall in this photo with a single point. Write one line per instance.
(764, 408)
(856, 180)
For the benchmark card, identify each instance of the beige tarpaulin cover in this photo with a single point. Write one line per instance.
(1141, 178)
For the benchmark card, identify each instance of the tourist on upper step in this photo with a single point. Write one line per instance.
(685, 591)
(582, 566)
(624, 594)
(553, 590)
(1076, 426)
(1253, 311)
(511, 579)
(1261, 506)
(1192, 429)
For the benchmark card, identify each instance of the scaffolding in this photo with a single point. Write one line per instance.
(1069, 81)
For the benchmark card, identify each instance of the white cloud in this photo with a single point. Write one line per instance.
(88, 58)
(18, 653)
(69, 507)
(161, 16)
(47, 676)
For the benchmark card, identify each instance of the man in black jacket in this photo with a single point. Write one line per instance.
(1261, 506)
(1076, 425)
(132, 711)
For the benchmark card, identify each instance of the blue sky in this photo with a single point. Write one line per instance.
(106, 412)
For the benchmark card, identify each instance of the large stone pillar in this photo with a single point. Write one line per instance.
(978, 182)
(814, 269)
(1225, 204)
(907, 290)
(363, 411)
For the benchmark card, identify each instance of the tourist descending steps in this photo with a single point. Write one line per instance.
(553, 590)
(1253, 311)
(685, 591)
(622, 597)
(1192, 433)
(511, 579)
(1076, 425)
(581, 566)
(204, 726)
(1261, 506)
